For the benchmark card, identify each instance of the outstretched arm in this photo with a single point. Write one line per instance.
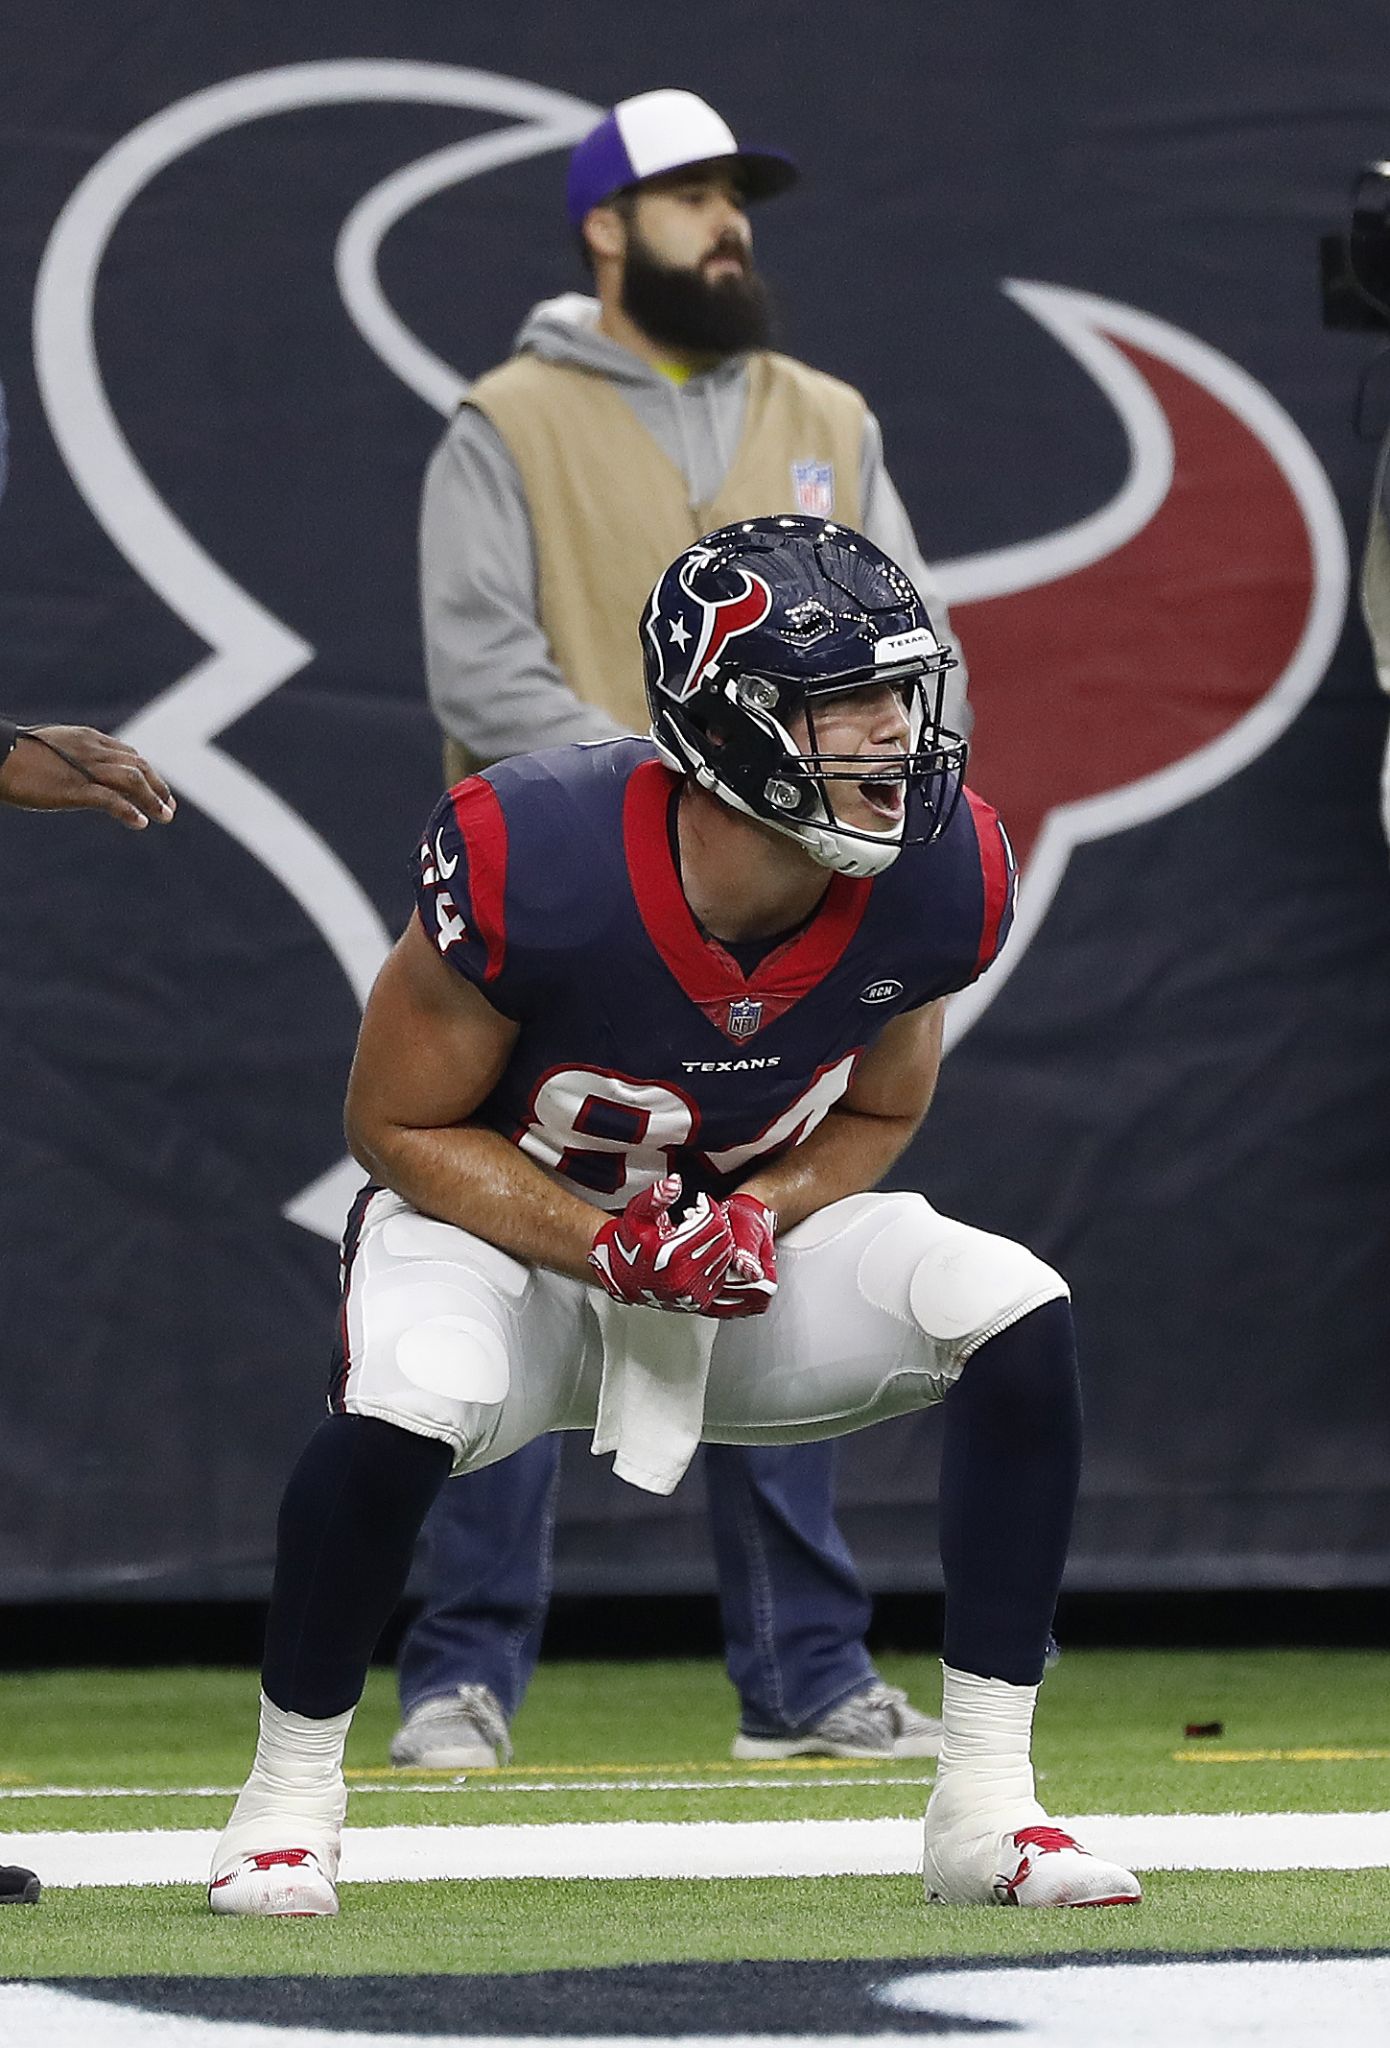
(76, 768)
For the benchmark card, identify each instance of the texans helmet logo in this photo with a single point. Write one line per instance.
(703, 627)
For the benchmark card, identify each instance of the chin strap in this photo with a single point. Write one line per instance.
(860, 857)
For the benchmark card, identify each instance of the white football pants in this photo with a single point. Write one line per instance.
(880, 1302)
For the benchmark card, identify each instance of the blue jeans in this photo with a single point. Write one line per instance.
(793, 1609)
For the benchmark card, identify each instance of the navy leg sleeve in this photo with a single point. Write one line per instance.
(348, 1524)
(1010, 1465)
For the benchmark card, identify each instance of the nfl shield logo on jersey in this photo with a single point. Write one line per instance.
(814, 484)
(744, 1017)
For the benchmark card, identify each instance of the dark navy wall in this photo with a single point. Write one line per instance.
(1181, 1091)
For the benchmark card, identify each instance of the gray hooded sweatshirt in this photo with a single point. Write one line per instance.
(493, 680)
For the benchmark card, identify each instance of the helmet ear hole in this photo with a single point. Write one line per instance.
(718, 722)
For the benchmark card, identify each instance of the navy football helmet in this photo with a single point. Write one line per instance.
(752, 628)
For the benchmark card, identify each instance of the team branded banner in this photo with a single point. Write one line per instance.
(251, 261)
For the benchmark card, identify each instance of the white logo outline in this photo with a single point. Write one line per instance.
(252, 653)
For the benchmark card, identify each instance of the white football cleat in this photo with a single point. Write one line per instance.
(275, 1883)
(280, 1849)
(1036, 1864)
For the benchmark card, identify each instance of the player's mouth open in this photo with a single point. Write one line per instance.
(885, 795)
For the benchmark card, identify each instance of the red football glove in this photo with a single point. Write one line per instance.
(751, 1280)
(643, 1257)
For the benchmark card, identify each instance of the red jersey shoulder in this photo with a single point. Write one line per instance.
(947, 903)
(461, 880)
(998, 877)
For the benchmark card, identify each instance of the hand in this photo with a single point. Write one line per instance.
(643, 1257)
(751, 1280)
(76, 768)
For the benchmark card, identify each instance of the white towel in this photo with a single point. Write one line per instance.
(651, 1404)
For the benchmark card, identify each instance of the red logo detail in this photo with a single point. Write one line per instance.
(1132, 664)
(1048, 1840)
(724, 619)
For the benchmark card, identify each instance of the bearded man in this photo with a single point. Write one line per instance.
(624, 427)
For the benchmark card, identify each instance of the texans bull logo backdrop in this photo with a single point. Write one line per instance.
(1106, 688)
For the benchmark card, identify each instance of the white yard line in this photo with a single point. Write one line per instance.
(789, 1848)
(119, 1791)
(441, 1781)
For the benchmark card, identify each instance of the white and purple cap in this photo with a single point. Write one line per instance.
(666, 130)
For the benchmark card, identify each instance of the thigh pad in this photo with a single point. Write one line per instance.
(438, 1325)
(958, 1285)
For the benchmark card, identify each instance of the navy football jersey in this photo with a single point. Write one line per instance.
(550, 882)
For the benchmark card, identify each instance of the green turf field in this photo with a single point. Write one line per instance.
(1302, 1732)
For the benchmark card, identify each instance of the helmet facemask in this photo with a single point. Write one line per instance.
(791, 784)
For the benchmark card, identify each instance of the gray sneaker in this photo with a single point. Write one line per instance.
(877, 1722)
(462, 1730)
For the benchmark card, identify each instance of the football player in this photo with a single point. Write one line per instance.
(668, 1011)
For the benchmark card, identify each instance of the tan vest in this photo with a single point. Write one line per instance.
(609, 508)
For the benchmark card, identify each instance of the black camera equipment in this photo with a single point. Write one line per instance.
(1356, 266)
(1356, 290)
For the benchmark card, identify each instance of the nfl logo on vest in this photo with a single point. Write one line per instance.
(814, 484)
